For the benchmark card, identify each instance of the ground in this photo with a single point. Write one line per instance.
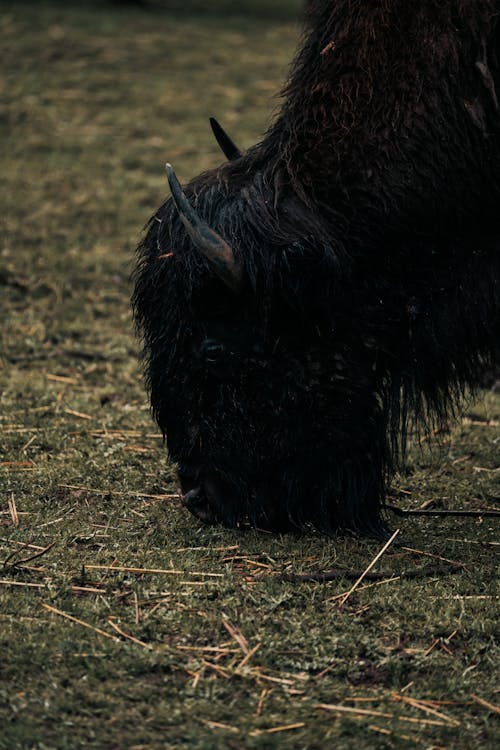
(123, 622)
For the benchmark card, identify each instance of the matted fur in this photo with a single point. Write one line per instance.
(368, 225)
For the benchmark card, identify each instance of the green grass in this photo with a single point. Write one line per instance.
(92, 103)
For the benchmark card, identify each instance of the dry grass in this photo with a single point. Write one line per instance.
(122, 622)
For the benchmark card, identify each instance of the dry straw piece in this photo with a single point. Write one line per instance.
(128, 636)
(486, 704)
(370, 566)
(84, 624)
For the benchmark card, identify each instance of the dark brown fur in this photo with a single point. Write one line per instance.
(368, 225)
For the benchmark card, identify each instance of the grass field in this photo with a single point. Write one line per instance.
(123, 623)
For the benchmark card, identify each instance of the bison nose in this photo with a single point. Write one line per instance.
(194, 494)
(197, 503)
(188, 483)
(209, 498)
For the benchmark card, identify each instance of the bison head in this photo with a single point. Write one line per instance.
(260, 378)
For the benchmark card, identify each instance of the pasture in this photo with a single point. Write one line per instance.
(123, 622)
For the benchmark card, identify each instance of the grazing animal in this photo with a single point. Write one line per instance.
(308, 302)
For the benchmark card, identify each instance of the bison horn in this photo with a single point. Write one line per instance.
(227, 145)
(211, 244)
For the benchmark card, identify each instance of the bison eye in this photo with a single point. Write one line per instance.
(211, 351)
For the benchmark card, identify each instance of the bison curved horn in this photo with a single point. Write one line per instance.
(211, 244)
(227, 145)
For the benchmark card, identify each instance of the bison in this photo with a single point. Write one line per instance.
(308, 303)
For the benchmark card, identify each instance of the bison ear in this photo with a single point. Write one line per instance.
(227, 145)
(211, 244)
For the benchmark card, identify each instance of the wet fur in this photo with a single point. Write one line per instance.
(368, 224)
